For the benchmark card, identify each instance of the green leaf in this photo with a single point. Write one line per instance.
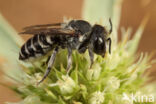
(137, 36)
(9, 41)
(96, 10)
(74, 75)
(10, 44)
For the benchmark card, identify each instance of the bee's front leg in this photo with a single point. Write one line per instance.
(50, 64)
(69, 60)
(91, 54)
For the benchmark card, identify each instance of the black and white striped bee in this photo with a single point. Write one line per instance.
(75, 35)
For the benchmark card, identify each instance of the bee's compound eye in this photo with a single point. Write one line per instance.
(100, 41)
(81, 38)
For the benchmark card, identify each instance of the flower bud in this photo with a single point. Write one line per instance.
(122, 99)
(94, 72)
(113, 84)
(97, 98)
(66, 85)
(74, 102)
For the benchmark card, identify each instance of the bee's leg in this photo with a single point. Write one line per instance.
(69, 60)
(46, 62)
(82, 50)
(110, 42)
(91, 54)
(50, 64)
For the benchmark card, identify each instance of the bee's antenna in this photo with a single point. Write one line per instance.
(111, 29)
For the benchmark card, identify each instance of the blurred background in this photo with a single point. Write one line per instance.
(21, 13)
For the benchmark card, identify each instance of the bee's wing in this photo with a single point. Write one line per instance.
(43, 26)
(49, 31)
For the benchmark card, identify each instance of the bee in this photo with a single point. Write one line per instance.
(77, 35)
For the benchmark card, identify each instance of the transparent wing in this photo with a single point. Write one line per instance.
(48, 29)
(43, 26)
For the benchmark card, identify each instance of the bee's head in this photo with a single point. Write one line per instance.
(98, 40)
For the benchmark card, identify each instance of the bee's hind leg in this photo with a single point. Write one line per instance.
(69, 60)
(50, 64)
(46, 62)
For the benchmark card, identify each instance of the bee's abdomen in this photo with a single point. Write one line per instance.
(36, 46)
